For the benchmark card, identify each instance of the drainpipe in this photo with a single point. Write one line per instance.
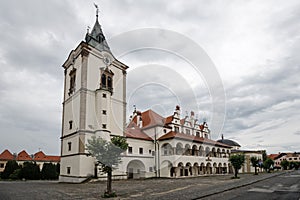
(155, 155)
(158, 160)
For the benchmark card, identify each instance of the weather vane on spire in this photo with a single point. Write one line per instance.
(97, 10)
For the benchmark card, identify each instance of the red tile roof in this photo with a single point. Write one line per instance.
(273, 156)
(137, 133)
(6, 155)
(150, 118)
(40, 156)
(169, 119)
(173, 134)
(24, 156)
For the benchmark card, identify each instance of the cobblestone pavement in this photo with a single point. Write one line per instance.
(169, 188)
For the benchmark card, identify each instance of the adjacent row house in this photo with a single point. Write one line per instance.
(39, 158)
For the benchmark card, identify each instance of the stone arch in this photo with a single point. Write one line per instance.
(223, 153)
(196, 169)
(215, 167)
(187, 149)
(188, 169)
(208, 168)
(194, 150)
(213, 152)
(180, 169)
(167, 149)
(225, 168)
(201, 151)
(218, 153)
(167, 169)
(202, 168)
(135, 169)
(207, 151)
(179, 148)
(220, 169)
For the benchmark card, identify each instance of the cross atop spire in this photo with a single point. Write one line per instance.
(97, 10)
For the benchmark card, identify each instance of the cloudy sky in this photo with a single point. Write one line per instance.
(253, 45)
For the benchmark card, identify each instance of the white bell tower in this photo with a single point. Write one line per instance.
(94, 102)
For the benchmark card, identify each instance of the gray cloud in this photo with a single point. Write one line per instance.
(253, 44)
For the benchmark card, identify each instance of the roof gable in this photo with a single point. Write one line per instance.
(6, 155)
(24, 156)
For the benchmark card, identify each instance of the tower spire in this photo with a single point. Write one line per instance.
(96, 37)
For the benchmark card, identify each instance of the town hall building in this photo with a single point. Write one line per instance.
(94, 104)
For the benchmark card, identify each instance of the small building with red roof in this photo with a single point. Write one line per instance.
(40, 158)
(5, 156)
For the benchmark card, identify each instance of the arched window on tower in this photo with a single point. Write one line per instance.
(109, 83)
(103, 81)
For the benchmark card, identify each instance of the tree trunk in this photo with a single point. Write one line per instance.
(109, 180)
(255, 170)
(235, 172)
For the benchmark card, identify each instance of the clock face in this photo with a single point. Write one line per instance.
(106, 60)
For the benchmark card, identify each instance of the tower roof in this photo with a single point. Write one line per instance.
(96, 38)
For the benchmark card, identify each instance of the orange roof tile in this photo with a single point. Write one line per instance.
(273, 156)
(168, 120)
(24, 156)
(137, 133)
(150, 118)
(40, 156)
(173, 134)
(6, 155)
(53, 158)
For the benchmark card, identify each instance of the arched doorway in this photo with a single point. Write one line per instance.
(196, 169)
(135, 169)
(208, 168)
(179, 169)
(166, 169)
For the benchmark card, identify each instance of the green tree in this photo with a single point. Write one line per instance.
(297, 165)
(16, 174)
(108, 155)
(30, 170)
(237, 161)
(268, 163)
(10, 167)
(49, 171)
(254, 162)
(284, 164)
(57, 170)
(264, 155)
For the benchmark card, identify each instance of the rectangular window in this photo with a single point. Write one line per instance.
(70, 124)
(103, 95)
(1, 165)
(72, 81)
(198, 134)
(69, 146)
(150, 151)
(153, 153)
(187, 131)
(130, 150)
(141, 150)
(68, 170)
(104, 126)
(104, 112)
(176, 129)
